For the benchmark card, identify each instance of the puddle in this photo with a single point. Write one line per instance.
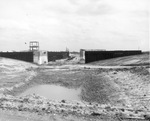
(54, 92)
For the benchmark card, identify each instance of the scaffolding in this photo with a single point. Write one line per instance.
(34, 46)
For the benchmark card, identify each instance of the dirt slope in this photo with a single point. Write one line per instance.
(14, 65)
(14, 73)
(120, 93)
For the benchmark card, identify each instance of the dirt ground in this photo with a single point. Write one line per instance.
(108, 93)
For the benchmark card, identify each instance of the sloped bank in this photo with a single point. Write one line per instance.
(119, 87)
(14, 74)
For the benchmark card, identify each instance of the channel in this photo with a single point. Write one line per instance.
(54, 92)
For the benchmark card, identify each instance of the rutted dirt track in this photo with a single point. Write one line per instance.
(108, 94)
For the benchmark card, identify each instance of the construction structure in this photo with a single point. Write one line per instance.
(34, 46)
(35, 55)
(39, 56)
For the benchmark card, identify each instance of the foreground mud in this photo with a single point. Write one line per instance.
(111, 93)
(42, 106)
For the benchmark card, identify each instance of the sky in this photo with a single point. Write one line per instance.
(75, 24)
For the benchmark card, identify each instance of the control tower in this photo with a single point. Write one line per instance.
(34, 46)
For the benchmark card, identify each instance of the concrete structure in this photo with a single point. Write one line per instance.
(95, 55)
(40, 57)
(35, 55)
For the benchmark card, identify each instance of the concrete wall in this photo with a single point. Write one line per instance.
(52, 56)
(40, 57)
(82, 54)
(91, 56)
(25, 56)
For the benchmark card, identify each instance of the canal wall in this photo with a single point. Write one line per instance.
(52, 56)
(91, 56)
(24, 56)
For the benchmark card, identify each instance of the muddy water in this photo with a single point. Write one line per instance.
(54, 92)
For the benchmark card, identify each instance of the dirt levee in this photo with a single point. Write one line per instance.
(14, 73)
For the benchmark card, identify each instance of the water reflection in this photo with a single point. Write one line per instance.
(54, 92)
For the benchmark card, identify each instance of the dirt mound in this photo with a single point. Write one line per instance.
(14, 73)
(12, 65)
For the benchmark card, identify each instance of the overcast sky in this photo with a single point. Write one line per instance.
(75, 24)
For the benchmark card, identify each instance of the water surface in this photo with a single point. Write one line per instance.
(54, 92)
